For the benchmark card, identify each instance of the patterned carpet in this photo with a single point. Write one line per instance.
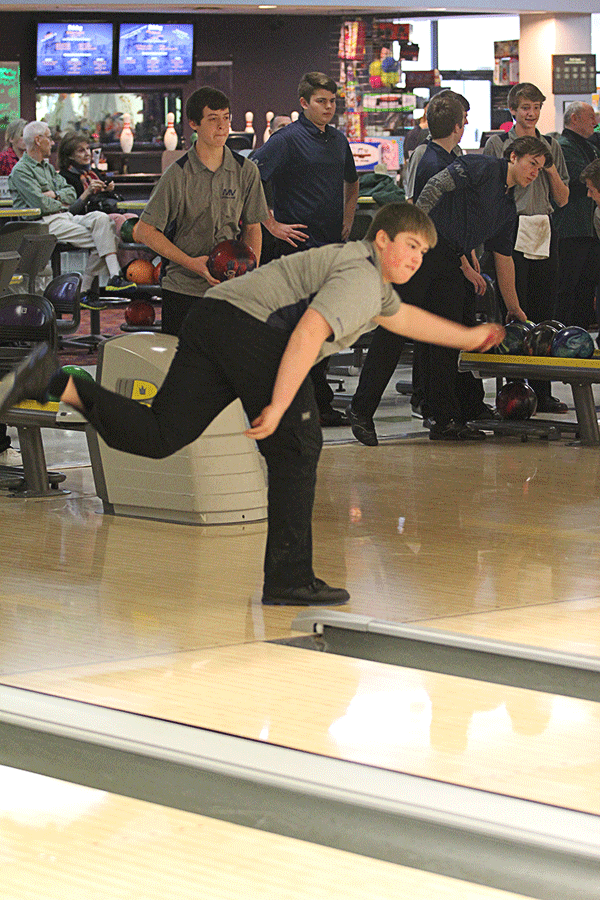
(111, 320)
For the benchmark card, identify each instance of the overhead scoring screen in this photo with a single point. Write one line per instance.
(71, 48)
(155, 49)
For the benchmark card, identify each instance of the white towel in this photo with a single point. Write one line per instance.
(533, 237)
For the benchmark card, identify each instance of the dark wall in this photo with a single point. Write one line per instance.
(269, 55)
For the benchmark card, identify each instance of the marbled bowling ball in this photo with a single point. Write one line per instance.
(516, 400)
(513, 342)
(574, 342)
(538, 341)
(74, 370)
(140, 313)
(229, 259)
(554, 322)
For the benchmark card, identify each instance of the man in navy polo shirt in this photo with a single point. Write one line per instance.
(314, 182)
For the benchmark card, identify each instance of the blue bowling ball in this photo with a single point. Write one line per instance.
(513, 339)
(574, 342)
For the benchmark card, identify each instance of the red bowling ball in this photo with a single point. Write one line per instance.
(140, 313)
(230, 259)
(516, 400)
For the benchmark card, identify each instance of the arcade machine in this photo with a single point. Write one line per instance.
(219, 479)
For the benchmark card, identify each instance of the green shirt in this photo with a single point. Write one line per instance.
(197, 209)
(343, 282)
(28, 182)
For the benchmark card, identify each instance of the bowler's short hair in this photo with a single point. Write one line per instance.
(592, 173)
(529, 146)
(315, 81)
(395, 218)
(14, 130)
(525, 90)
(203, 97)
(444, 113)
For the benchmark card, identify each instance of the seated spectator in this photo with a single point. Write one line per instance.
(34, 182)
(14, 146)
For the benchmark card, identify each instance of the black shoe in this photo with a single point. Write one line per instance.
(416, 412)
(454, 431)
(318, 593)
(29, 381)
(332, 418)
(551, 405)
(486, 411)
(363, 429)
(448, 432)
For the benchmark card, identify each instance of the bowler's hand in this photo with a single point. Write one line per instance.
(516, 315)
(477, 280)
(265, 424)
(198, 265)
(288, 233)
(484, 337)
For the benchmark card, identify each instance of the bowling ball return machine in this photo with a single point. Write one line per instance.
(219, 479)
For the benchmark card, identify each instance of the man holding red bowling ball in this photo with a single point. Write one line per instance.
(200, 201)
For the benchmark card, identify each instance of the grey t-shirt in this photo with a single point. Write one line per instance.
(198, 208)
(343, 282)
(533, 200)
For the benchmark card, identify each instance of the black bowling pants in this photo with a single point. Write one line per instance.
(225, 353)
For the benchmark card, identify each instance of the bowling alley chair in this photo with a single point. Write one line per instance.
(64, 293)
(25, 320)
(35, 245)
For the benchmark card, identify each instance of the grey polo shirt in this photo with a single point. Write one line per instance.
(197, 209)
(341, 281)
(533, 200)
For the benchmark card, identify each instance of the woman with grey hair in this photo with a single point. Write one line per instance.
(14, 146)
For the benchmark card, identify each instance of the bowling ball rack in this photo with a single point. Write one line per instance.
(580, 374)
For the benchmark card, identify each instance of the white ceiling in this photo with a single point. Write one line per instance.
(312, 7)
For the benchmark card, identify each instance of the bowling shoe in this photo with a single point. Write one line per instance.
(332, 418)
(317, 593)
(454, 431)
(551, 405)
(119, 287)
(363, 428)
(29, 380)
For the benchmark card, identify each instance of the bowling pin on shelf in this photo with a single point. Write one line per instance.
(171, 137)
(270, 116)
(250, 126)
(126, 138)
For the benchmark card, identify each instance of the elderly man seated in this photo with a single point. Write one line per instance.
(34, 182)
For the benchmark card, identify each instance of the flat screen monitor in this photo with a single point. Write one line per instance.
(81, 49)
(156, 50)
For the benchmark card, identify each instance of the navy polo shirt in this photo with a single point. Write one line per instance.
(475, 207)
(307, 168)
(433, 161)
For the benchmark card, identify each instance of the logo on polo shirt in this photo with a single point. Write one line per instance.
(229, 193)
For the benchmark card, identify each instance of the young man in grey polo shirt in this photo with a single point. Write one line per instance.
(256, 338)
(200, 201)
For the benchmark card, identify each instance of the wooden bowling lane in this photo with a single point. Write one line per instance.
(63, 841)
(502, 739)
(572, 626)
(433, 529)
(81, 587)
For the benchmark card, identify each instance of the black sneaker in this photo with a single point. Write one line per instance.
(29, 380)
(332, 418)
(318, 593)
(363, 429)
(120, 286)
(551, 405)
(416, 412)
(486, 412)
